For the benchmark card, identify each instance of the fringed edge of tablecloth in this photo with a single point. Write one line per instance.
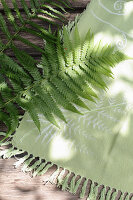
(89, 189)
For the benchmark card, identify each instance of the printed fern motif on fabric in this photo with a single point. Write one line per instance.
(91, 126)
(118, 6)
(120, 44)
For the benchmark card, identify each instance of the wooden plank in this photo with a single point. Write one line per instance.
(75, 3)
(15, 185)
(70, 16)
(79, 3)
(38, 41)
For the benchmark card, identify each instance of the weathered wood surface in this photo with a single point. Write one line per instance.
(78, 6)
(75, 3)
(36, 40)
(14, 184)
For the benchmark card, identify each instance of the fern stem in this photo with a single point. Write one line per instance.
(19, 30)
(24, 92)
(10, 41)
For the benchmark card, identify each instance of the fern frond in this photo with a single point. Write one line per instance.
(4, 117)
(7, 61)
(26, 9)
(76, 73)
(4, 27)
(80, 82)
(6, 93)
(93, 77)
(60, 98)
(90, 45)
(58, 6)
(68, 71)
(9, 15)
(28, 105)
(12, 19)
(68, 49)
(45, 66)
(36, 3)
(50, 102)
(27, 62)
(43, 108)
(60, 55)
(18, 78)
(7, 110)
(77, 46)
(67, 92)
(17, 86)
(65, 3)
(13, 116)
(18, 14)
(54, 11)
(52, 57)
(74, 87)
(33, 113)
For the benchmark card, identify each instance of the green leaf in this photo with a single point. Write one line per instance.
(4, 27)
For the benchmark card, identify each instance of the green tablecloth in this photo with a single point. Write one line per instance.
(99, 144)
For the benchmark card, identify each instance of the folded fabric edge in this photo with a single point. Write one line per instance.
(66, 182)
